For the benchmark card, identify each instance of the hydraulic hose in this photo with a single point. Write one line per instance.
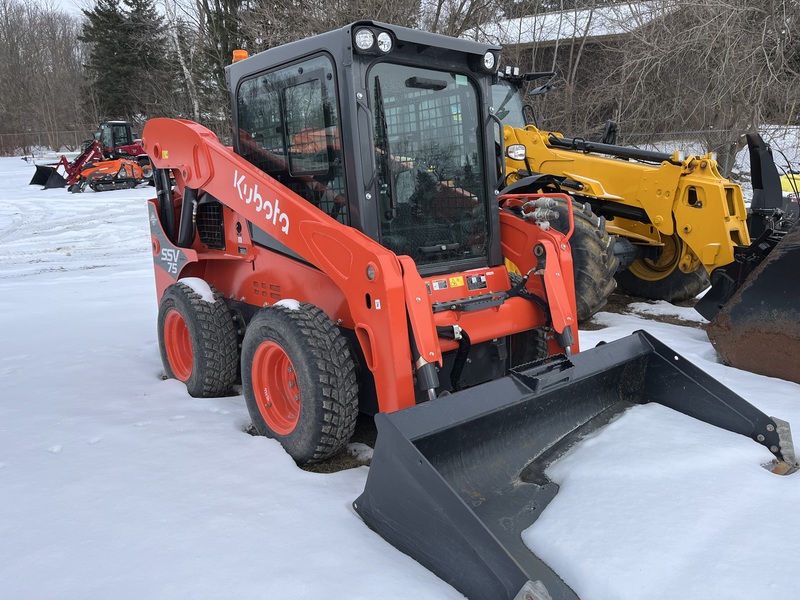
(464, 346)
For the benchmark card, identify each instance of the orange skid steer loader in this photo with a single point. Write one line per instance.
(367, 273)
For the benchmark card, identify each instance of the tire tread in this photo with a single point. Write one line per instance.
(218, 341)
(334, 377)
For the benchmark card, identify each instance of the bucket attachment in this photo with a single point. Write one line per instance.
(454, 482)
(758, 329)
(770, 217)
(48, 177)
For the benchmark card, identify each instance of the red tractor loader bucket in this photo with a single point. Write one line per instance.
(48, 177)
(454, 482)
(758, 329)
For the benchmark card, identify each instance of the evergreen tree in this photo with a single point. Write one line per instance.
(150, 50)
(109, 71)
(130, 72)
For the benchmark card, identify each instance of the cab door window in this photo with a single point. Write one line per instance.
(288, 126)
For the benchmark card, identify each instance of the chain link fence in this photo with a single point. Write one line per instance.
(22, 144)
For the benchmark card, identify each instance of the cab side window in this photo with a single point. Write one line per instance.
(288, 125)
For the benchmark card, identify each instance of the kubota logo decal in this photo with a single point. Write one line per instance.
(272, 212)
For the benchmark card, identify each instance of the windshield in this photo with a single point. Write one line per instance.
(114, 135)
(428, 153)
(507, 103)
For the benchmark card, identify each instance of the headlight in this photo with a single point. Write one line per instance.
(516, 152)
(364, 39)
(384, 41)
(489, 61)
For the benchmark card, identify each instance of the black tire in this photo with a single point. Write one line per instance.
(147, 167)
(299, 381)
(528, 346)
(593, 259)
(663, 280)
(198, 341)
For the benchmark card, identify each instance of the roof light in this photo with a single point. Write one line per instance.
(489, 61)
(365, 39)
(240, 55)
(384, 41)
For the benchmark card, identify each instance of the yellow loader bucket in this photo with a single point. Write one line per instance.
(454, 482)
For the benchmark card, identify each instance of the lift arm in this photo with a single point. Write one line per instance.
(372, 278)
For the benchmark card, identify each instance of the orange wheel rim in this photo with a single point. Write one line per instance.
(178, 344)
(275, 388)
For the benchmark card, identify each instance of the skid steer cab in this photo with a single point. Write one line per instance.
(348, 254)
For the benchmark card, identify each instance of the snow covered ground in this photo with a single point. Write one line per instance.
(116, 484)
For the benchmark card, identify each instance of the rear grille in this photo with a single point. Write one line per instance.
(210, 225)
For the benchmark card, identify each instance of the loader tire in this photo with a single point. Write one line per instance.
(299, 381)
(147, 167)
(527, 347)
(593, 260)
(198, 341)
(663, 279)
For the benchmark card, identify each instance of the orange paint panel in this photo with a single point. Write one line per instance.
(364, 335)
(331, 253)
(514, 315)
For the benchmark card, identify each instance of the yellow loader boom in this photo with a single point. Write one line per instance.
(675, 219)
(679, 224)
(683, 197)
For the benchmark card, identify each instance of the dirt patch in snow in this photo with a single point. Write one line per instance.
(621, 304)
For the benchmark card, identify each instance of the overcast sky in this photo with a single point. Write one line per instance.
(72, 7)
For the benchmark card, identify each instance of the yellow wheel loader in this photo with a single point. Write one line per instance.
(682, 219)
(679, 224)
(313, 260)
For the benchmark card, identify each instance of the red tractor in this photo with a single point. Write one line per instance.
(113, 141)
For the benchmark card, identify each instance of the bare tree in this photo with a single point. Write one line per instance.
(40, 72)
(455, 17)
(184, 58)
(721, 67)
(270, 23)
(714, 69)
